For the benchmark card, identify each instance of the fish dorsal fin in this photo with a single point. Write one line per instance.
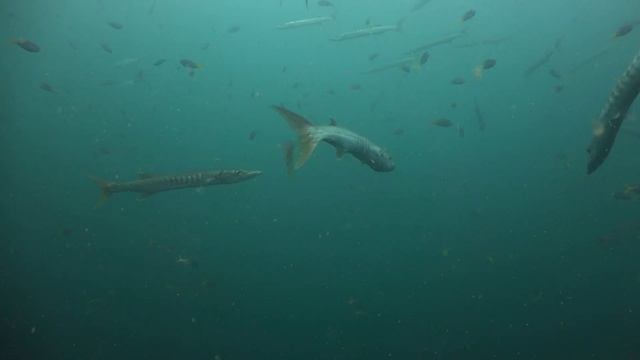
(143, 175)
(333, 122)
(340, 151)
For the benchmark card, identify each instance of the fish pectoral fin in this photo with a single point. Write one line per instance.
(340, 151)
(145, 195)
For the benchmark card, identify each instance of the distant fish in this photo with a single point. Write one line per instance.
(468, 15)
(355, 87)
(558, 88)
(419, 5)
(233, 29)
(458, 81)
(481, 123)
(126, 62)
(445, 123)
(345, 142)
(159, 62)
(369, 31)
(398, 131)
(623, 30)
(555, 74)
(106, 48)
(424, 58)
(304, 22)
(540, 62)
(253, 134)
(487, 64)
(373, 56)
(460, 131)
(325, 3)
(190, 65)
(46, 87)
(115, 25)
(406, 64)
(205, 46)
(27, 45)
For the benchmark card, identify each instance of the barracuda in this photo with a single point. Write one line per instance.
(147, 185)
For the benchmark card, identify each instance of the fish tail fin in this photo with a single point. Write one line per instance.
(477, 71)
(104, 190)
(304, 129)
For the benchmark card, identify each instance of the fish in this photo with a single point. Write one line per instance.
(106, 47)
(373, 56)
(629, 192)
(147, 185)
(407, 64)
(233, 29)
(343, 140)
(458, 81)
(190, 65)
(444, 40)
(304, 22)
(554, 73)
(468, 15)
(445, 123)
(27, 45)
(127, 61)
(460, 131)
(159, 62)
(613, 114)
(325, 3)
(623, 30)
(538, 63)
(115, 25)
(419, 5)
(355, 87)
(253, 134)
(479, 116)
(47, 87)
(487, 64)
(369, 31)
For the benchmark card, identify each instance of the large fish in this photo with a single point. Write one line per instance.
(304, 22)
(369, 31)
(343, 140)
(613, 114)
(148, 185)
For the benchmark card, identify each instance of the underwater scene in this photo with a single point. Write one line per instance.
(320, 179)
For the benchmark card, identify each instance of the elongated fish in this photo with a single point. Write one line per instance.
(369, 31)
(304, 22)
(613, 114)
(343, 140)
(407, 64)
(148, 185)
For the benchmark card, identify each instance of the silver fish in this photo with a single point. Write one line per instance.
(304, 22)
(345, 142)
(613, 114)
(369, 31)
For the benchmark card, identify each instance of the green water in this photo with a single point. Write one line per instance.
(495, 245)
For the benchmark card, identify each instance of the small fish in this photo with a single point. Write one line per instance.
(188, 262)
(373, 56)
(304, 22)
(623, 30)
(343, 140)
(458, 81)
(205, 46)
(159, 62)
(46, 87)
(468, 15)
(445, 123)
(479, 116)
(487, 64)
(27, 45)
(355, 87)
(453, 105)
(253, 134)
(190, 65)
(233, 29)
(424, 58)
(460, 131)
(116, 25)
(325, 3)
(106, 47)
(558, 88)
(419, 5)
(555, 74)
(398, 131)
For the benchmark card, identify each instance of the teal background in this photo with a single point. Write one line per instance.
(495, 245)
